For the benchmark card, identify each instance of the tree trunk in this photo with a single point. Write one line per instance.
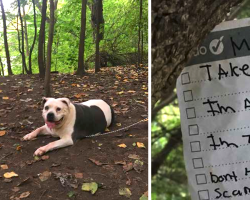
(141, 46)
(26, 33)
(159, 159)
(97, 54)
(34, 40)
(49, 49)
(22, 50)
(2, 70)
(177, 30)
(139, 36)
(18, 39)
(6, 40)
(41, 62)
(80, 71)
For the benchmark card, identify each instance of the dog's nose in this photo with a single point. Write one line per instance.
(50, 117)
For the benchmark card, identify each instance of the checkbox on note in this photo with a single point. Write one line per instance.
(188, 95)
(191, 113)
(193, 129)
(198, 163)
(185, 79)
(201, 179)
(203, 195)
(195, 146)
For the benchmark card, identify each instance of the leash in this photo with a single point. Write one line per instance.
(124, 128)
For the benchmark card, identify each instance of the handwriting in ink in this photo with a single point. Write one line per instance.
(219, 143)
(224, 72)
(215, 107)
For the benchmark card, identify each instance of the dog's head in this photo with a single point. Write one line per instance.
(55, 111)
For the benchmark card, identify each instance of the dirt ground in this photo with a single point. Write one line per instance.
(60, 175)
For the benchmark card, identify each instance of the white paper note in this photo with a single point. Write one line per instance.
(214, 99)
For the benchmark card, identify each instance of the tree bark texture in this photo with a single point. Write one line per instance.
(178, 27)
(49, 49)
(6, 39)
(41, 61)
(80, 70)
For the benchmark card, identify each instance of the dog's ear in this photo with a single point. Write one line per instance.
(65, 101)
(44, 99)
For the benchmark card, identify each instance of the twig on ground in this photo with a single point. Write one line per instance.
(42, 194)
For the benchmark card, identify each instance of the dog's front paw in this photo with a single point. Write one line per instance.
(29, 136)
(40, 151)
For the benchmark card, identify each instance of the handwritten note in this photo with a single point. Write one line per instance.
(214, 99)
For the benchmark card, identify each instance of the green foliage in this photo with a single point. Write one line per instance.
(120, 33)
(170, 183)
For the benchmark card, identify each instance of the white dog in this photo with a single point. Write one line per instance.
(71, 121)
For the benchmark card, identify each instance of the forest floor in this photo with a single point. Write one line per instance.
(60, 174)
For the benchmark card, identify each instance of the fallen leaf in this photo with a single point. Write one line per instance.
(7, 180)
(144, 196)
(24, 195)
(131, 91)
(37, 158)
(95, 162)
(18, 148)
(90, 187)
(134, 156)
(44, 176)
(134, 144)
(118, 124)
(120, 92)
(4, 167)
(120, 162)
(5, 98)
(128, 167)
(45, 157)
(140, 145)
(15, 189)
(125, 192)
(10, 174)
(1, 91)
(106, 130)
(79, 175)
(2, 133)
(71, 194)
(122, 145)
(138, 166)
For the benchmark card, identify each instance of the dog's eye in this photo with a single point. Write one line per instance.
(58, 109)
(46, 108)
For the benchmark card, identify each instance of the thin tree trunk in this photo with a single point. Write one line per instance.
(49, 49)
(97, 53)
(6, 40)
(18, 38)
(139, 35)
(22, 50)
(34, 40)
(141, 46)
(41, 62)
(26, 33)
(80, 71)
(1, 66)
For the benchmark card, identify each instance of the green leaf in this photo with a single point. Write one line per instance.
(71, 194)
(125, 192)
(90, 187)
(144, 197)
